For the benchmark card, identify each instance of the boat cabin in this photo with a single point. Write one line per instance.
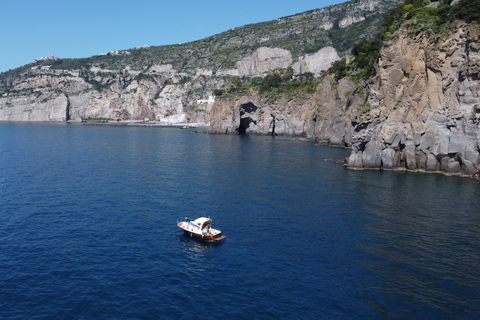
(203, 223)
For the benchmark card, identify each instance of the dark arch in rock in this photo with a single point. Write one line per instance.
(246, 108)
(244, 124)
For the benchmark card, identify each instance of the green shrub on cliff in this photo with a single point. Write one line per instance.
(278, 83)
(468, 10)
(282, 82)
(339, 69)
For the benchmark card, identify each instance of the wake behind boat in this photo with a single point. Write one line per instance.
(201, 228)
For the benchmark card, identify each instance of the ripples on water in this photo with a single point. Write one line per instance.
(88, 214)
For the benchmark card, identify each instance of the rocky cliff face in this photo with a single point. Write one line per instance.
(159, 82)
(60, 98)
(158, 93)
(319, 116)
(421, 113)
(256, 115)
(264, 60)
(424, 106)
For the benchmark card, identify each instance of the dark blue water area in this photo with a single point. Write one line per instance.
(88, 229)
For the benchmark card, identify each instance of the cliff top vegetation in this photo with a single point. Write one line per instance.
(416, 16)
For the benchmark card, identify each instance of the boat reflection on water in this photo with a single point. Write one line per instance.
(197, 246)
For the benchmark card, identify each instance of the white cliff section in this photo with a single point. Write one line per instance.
(264, 60)
(170, 100)
(40, 98)
(348, 21)
(327, 25)
(317, 62)
(25, 109)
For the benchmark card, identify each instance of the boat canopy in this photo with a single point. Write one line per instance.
(203, 223)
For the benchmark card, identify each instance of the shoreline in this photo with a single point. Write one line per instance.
(134, 123)
(141, 123)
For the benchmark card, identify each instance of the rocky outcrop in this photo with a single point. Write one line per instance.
(256, 115)
(424, 106)
(323, 116)
(24, 109)
(317, 62)
(264, 60)
(62, 98)
(421, 113)
(348, 21)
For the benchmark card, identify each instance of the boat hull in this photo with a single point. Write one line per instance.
(205, 238)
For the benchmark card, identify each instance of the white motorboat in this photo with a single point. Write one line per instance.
(201, 228)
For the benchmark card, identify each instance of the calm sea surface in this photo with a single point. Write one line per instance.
(88, 230)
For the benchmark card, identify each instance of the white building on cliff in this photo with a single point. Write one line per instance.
(209, 101)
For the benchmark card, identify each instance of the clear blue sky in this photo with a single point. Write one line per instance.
(31, 29)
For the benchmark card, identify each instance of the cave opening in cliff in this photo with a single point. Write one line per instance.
(248, 108)
(245, 122)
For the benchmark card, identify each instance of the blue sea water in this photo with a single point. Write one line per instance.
(88, 230)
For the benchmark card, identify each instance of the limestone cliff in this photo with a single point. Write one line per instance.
(162, 81)
(158, 93)
(61, 98)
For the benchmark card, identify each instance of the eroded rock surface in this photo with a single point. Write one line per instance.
(421, 113)
(425, 106)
